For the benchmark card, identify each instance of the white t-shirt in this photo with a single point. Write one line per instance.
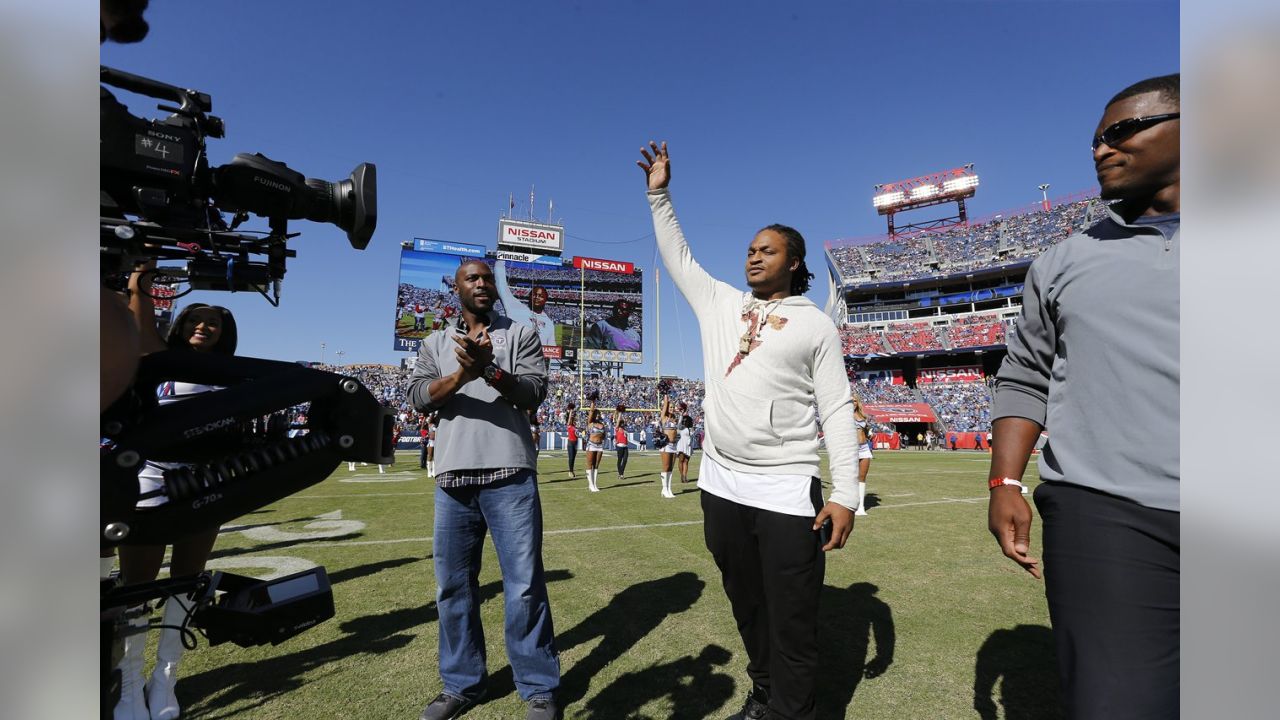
(786, 494)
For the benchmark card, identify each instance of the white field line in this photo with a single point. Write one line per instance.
(610, 528)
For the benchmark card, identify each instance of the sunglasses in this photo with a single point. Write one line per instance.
(1125, 129)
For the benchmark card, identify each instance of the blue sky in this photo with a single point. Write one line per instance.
(774, 113)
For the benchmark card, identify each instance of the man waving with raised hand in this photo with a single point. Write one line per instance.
(770, 355)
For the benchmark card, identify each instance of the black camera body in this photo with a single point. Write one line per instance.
(158, 172)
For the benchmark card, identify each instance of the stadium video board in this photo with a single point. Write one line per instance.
(591, 309)
(557, 299)
(425, 295)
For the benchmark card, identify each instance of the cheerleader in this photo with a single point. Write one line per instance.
(595, 445)
(570, 422)
(670, 428)
(864, 453)
(198, 328)
(684, 447)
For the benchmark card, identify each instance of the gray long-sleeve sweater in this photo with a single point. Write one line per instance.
(1094, 360)
(479, 428)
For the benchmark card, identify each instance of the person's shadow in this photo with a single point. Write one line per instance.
(850, 619)
(628, 618)
(692, 683)
(871, 500)
(1024, 659)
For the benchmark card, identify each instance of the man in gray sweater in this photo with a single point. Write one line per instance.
(1094, 360)
(483, 373)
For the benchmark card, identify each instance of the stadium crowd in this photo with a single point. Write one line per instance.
(962, 407)
(912, 337)
(860, 340)
(976, 331)
(1026, 235)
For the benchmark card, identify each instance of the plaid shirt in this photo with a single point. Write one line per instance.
(469, 478)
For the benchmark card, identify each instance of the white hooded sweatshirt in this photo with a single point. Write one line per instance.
(759, 407)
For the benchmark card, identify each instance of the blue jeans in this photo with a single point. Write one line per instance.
(512, 513)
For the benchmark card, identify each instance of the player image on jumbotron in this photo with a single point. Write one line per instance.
(534, 314)
(614, 332)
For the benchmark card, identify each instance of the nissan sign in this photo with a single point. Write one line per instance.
(532, 235)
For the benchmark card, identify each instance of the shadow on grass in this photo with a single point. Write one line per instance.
(236, 689)
(360, 571)
(563, 479)
(850, 619)
(260, 549)
(1024, 659)
(631, 615)
(871, 500)
(692, 684)
(615, 486)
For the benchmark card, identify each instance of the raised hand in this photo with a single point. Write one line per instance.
(656, 166)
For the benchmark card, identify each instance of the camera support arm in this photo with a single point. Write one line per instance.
(225, 476)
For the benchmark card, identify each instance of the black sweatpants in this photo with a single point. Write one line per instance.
(623, 451)
(772, 568)
(1111, 571)
(573, 453)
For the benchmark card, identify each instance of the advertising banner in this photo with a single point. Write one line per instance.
(901, 413)
(515, 233)
(448, 248)
(872, 377)
(949, 375)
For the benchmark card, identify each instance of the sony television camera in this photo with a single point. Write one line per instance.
(160, 199)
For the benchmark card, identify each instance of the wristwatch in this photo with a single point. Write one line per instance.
(492, 373)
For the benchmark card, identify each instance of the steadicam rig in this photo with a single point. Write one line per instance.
(227, 471)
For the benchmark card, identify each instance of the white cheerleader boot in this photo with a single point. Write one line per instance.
(133, 702)
(666, 485)
(351, 466)
(160, 697)
(862, 499)
(591, 481)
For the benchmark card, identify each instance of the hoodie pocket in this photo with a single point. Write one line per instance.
(738, 423)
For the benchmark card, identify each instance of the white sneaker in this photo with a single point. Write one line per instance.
(1025, 491)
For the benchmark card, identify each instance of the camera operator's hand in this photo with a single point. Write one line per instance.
(143, 306)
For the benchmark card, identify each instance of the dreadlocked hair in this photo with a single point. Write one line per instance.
(801, 276)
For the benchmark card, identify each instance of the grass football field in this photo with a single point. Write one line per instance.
(921, 615)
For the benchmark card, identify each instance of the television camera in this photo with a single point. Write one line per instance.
(158, 172)
(161, 200)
